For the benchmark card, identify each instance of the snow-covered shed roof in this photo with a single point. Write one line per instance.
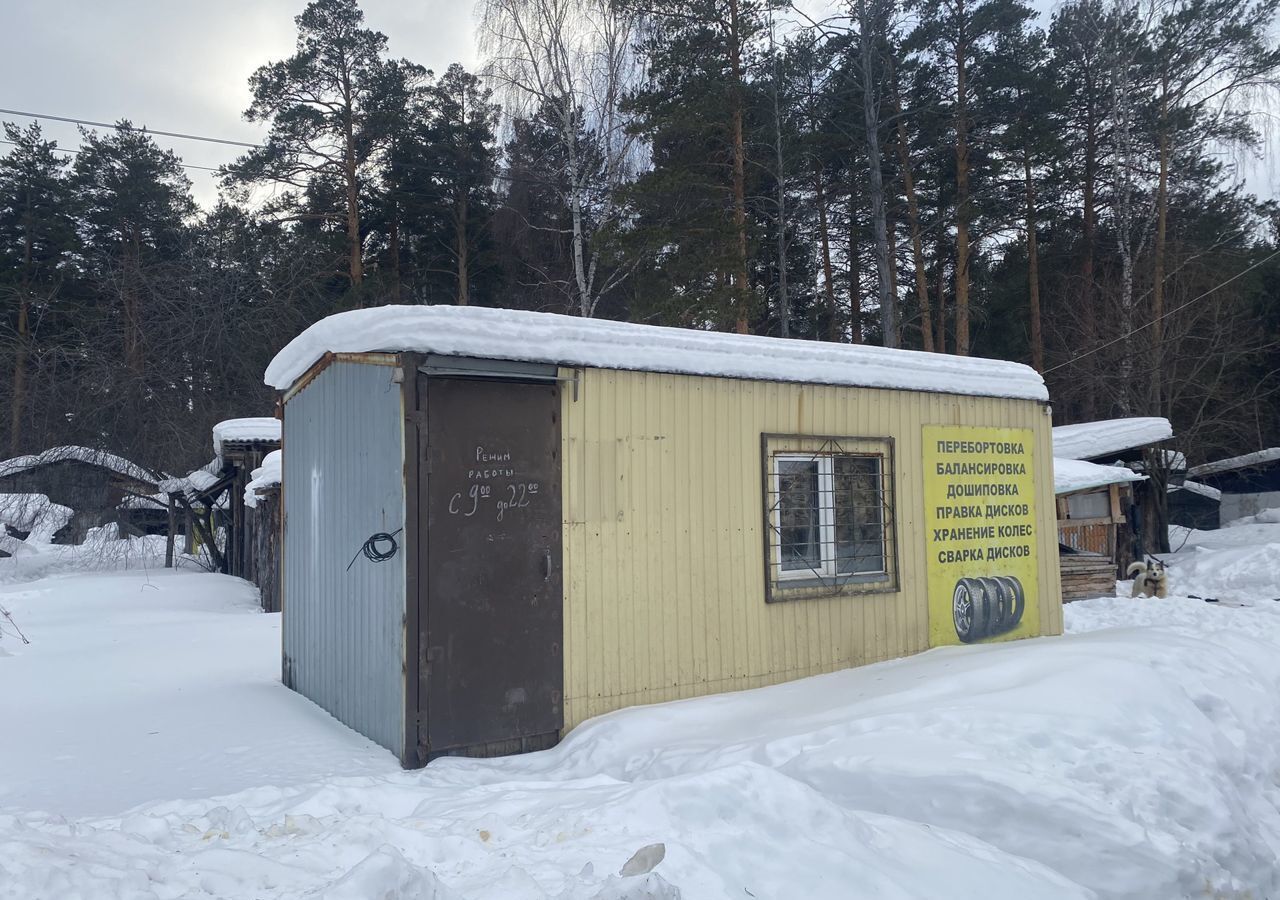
(33, 513)
(265, 476)
(117, 464)
(192, 483)
(261, 429)
(1235, 463)
(1090, 440)
(1195, 487)
(1072, 475)
(572, 341)
(1174, 460)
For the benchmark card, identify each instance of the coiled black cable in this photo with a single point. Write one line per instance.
(372, 550)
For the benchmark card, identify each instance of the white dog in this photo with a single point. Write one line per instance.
(1152, 579)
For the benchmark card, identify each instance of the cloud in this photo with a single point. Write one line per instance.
(184, 66)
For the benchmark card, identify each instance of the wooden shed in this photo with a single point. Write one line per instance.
(94, 484)
(262, 504)
(1093, 534)
(1247, 485)
(241, 445)
(498, 524)
(1195, 505)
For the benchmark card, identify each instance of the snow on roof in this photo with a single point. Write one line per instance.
(1174, 460)
(262, 429)
(572, 341)
(267, 475)
(192, 483)
(1196, 487)
(33, 513)
(1090, 440)
(117, 464)
(1072, 475)
(1247, 461)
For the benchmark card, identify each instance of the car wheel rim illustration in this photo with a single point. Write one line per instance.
(987, 607)
(970, 610)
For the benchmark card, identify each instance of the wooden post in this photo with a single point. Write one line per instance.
(169, 539)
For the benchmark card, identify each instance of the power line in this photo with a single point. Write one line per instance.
(173, 134)
(498, 176)
(77, 152)
(1126, 336)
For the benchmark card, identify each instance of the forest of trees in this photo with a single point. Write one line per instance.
(957, 176)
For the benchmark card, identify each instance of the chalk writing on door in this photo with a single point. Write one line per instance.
(483, 494)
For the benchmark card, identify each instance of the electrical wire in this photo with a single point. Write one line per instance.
(413, 167)
(78, 152)
(1266, 259)
(172, 134)
(372, 549)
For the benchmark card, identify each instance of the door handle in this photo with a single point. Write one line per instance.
(546, 565)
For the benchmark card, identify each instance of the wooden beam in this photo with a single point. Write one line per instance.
(169, 539)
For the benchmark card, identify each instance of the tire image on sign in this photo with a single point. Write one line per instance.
(969, 610)
(1017, 600)
(986, 607)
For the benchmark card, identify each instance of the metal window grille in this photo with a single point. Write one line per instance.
(830, 516)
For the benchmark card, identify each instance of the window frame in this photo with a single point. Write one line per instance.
(826, 580)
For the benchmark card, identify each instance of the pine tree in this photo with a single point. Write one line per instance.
(693, 111)
(958, 36)
(452, 159)
(136, 203)
(37, 238)
(329, 107)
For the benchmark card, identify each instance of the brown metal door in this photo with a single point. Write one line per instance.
(493, 624)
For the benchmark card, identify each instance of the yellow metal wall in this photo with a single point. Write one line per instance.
(663, 544)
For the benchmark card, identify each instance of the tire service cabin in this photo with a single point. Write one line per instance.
(498, 524)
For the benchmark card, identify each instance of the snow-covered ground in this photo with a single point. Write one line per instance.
(142, 687)
(1136, 757)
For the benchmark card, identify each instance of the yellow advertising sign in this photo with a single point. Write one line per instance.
(980, 521)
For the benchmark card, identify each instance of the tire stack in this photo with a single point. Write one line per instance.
(987, 607)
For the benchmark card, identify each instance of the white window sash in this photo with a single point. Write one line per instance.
(829, 564)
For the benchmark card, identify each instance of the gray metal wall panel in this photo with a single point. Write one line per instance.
(344, 481)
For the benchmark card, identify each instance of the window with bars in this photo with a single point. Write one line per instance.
(830, 516)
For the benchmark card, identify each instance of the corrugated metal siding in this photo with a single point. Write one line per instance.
(664, 576)
(343, 481)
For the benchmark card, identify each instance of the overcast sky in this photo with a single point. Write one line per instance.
(179, 65)
(184, 66)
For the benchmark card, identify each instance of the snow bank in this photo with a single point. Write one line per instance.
(1092, 440)
(262, 429)
(573, 341)
(102, 550)
(35, 514)
(1239, 562)
(1235, 463)
(1071, 475)
(1136, 758)
(1265, 517)
(106, 460)
(267, 475)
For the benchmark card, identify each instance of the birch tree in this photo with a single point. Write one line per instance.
(573, 60)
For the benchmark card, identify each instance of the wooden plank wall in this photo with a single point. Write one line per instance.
(664, 546)
(1092, 538)
(265, 551)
